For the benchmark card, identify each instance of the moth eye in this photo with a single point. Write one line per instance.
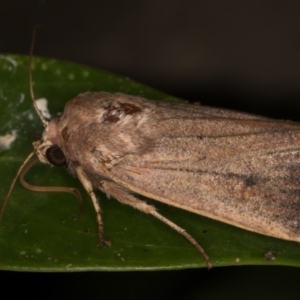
(55, 156)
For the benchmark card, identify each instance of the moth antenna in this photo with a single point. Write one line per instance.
(45, 123)
(22, 167)
(36, 188)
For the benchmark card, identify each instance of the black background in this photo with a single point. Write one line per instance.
(243, 55)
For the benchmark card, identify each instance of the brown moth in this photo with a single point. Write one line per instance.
(234, 167)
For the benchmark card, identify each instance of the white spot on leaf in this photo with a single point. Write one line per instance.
(7, 140)
(42, 105)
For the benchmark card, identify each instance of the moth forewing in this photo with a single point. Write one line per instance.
(244, 172)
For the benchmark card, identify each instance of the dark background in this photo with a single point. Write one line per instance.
(243, 55)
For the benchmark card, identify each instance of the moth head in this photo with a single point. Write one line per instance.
(49, 153)
(49, 148)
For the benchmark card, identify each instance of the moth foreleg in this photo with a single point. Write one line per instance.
(89, 188)
(124, 197)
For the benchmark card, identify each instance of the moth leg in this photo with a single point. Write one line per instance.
(29, 164)
(89, 188)
(124, 197)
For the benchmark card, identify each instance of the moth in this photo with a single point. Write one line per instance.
(234, 167)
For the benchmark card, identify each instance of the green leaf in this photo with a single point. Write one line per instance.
(41, 231)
